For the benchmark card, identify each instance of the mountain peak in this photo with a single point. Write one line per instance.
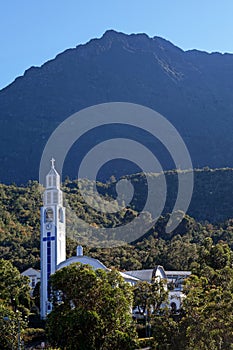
(190, 89)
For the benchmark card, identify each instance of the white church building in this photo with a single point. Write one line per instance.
(53, 250)
(53, 235)
(53, 240)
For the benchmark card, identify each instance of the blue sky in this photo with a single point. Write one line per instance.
(32, 32)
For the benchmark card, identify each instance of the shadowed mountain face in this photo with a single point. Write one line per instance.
(193, 89)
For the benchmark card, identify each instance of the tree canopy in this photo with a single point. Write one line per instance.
(205, 321)
(93, 309)
(14, 304)
(20, 220)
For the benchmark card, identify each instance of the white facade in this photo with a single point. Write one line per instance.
(53, 250)
(176, 278)
(34, 276)
(53, 240)
(95, 264)
(53, 235)
(82, 259)
(176, 295)
(148, 274)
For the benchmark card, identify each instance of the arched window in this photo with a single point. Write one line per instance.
(49, 215)
(173, 307)
(61, 215)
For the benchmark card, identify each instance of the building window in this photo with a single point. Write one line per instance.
(49, 197)
(55, 197)
(50, 181)
(54, 181)
(49, 215)
(33, 282)
(61, 217)
(173, 307)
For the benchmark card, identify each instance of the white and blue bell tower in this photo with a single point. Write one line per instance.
(53, 235)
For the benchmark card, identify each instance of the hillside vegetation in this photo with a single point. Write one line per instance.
(209, 216)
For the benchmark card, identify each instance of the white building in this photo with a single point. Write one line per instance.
(94, 263)
(53, 235)
(53, 240)
(53, 251)
(149, 274)
(174, 282)
(34, 277)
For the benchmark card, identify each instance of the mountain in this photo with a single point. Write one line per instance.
(192, 89)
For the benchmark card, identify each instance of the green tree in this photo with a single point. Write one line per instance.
(151, 300)
(205, 321)
(150, 297)
(11, 323)
(168, 332)
(14, 304)
(93, 309)
(14, 288)
(208, 306)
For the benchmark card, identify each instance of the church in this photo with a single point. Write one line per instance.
(53, 240)
(53, 235)
(53, 250)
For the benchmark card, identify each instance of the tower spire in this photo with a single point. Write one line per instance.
(53, 235)
(52, 178)
(52, 163)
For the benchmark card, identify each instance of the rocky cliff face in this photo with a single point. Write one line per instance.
(193, 89)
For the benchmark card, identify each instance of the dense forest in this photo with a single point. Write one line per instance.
(208, 216)
(202, 243)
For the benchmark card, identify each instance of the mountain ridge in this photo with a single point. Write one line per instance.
(192, 89)
(111, 31)
(91, 41)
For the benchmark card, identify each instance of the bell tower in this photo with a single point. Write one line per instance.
(53, 234)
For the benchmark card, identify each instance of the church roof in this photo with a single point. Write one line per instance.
(96, 264)
(31, 272)
(128, 277)
(144, 275)
(148, 274)
(53, 172)
(178, 273)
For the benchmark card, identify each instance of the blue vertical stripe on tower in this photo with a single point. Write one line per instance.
(48, 239)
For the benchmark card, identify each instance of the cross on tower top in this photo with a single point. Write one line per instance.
(52, 162)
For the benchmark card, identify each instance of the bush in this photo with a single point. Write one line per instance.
(34, 335)
(146, 342)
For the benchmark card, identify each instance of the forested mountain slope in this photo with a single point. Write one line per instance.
(212, 201)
